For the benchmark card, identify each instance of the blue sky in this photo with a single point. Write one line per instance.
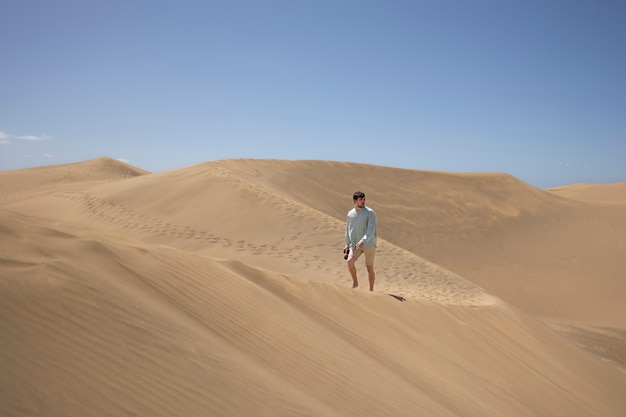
(536, 89)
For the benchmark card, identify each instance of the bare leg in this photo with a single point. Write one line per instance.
(352, 270)
(371, 276)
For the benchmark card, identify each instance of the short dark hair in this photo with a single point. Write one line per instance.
(358, 194)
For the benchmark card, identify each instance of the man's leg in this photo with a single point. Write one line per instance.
(370, 254)
(352, 270)
(371, 276)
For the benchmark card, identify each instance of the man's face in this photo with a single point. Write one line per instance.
(359, 203)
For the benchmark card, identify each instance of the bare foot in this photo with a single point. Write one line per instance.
(355, 284)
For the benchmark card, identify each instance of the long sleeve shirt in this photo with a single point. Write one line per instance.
(361, 226)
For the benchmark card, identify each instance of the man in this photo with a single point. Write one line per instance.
(361, 238)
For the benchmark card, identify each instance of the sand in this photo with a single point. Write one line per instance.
(219, 289)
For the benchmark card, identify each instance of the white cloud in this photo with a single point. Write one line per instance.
(47, 155)
(124, 160)
(4, 141)
(33, 137)
(4, 137)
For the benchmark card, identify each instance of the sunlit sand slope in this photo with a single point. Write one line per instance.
(96, 323)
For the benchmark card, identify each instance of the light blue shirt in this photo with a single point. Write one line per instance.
(361, 226)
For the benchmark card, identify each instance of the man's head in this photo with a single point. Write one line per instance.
(359, 200)
(357, 195)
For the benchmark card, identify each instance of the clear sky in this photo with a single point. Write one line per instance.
(533, 88)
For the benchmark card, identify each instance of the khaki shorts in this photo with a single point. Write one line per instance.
(370, 254)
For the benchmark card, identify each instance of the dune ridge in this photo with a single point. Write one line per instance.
(218, 289)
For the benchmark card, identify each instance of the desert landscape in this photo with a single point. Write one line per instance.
(220, 289)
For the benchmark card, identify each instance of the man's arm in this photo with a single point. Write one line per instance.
(371, 226)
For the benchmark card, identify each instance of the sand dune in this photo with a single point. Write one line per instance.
(595, 193)
(219, 289)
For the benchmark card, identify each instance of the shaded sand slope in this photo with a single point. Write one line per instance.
(100, 323)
